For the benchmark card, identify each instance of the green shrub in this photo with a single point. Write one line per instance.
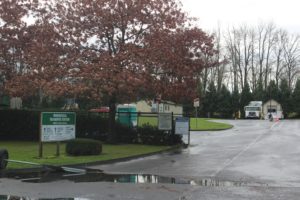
(90, 125)
(126, 134)
(83, 146)
(19, 125)
(150, 135)
(24, 125)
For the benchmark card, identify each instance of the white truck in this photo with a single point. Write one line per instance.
(254, 110)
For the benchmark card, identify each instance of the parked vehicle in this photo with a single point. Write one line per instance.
(253, 110)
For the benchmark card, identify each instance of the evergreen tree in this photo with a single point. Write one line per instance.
(272, 91)
(235, 102)
(285, 97)
(224, 107)
(259, 94)
(210, 100)
(296, 98)
(246, 97)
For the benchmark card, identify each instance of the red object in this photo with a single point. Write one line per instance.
(100, 110)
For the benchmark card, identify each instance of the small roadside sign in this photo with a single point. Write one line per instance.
(182, 126)
(165, 121)
(57, 126)
(196, 102)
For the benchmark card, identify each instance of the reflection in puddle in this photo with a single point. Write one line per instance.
(11, 197)
(99, 176)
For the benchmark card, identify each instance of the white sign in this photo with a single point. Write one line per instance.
(196, 102)
(182, 126)
(165, 121)
(57, 126)
(52, 133)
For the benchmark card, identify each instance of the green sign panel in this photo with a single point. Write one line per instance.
(61, 118)
(57, 126)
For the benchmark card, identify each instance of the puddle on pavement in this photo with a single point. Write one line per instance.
(99, 176)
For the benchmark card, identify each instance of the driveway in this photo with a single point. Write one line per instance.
(254, 160)
(253, 151)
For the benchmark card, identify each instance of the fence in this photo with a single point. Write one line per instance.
(139, 119)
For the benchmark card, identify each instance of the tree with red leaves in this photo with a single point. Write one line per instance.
(11, 49)
(176, 59)
(113, 51)
(33, 59)
(131, 49)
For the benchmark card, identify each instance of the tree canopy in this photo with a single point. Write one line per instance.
(110, 51)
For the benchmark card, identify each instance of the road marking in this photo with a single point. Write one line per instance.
(276, 123)
(229, 162)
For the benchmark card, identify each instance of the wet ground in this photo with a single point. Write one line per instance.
(93, 176)
(254, 160)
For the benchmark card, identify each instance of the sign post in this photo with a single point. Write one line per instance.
(56, 127)
(196, 105)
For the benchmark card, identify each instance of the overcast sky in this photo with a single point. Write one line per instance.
(284, 13)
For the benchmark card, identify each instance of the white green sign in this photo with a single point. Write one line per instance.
(182, 126)
(57, 126)
(165, 121)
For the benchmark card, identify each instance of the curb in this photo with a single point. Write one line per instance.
(85, 165)
(224, 129)
(117, 160)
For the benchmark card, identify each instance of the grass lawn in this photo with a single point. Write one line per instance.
(28, 151)
(153, 121)
(201, 124)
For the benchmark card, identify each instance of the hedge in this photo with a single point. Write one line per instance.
(19, 125)
(78, 147)
(148, 134)
(24, 125)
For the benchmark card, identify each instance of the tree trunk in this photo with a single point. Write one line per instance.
(41, 97)
(112, 135)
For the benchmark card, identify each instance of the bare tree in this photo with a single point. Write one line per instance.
(218, 72)
(248, 50)
(233, 54)
(240, 49)
(280, 38)
(253, 79)
(291, 55)
(266, 41)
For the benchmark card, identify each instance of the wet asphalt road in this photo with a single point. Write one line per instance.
(263, 154)
(255, 151)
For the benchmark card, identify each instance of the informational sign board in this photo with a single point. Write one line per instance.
(196, 102)
(165, 121)
(182, 126)
(160, 107)
(57, 126)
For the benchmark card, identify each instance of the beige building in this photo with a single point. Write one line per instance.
(272, 107)
(163, 106)
(15, 103)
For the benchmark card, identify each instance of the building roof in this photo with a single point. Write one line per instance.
(271, 100)
(164, 102)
